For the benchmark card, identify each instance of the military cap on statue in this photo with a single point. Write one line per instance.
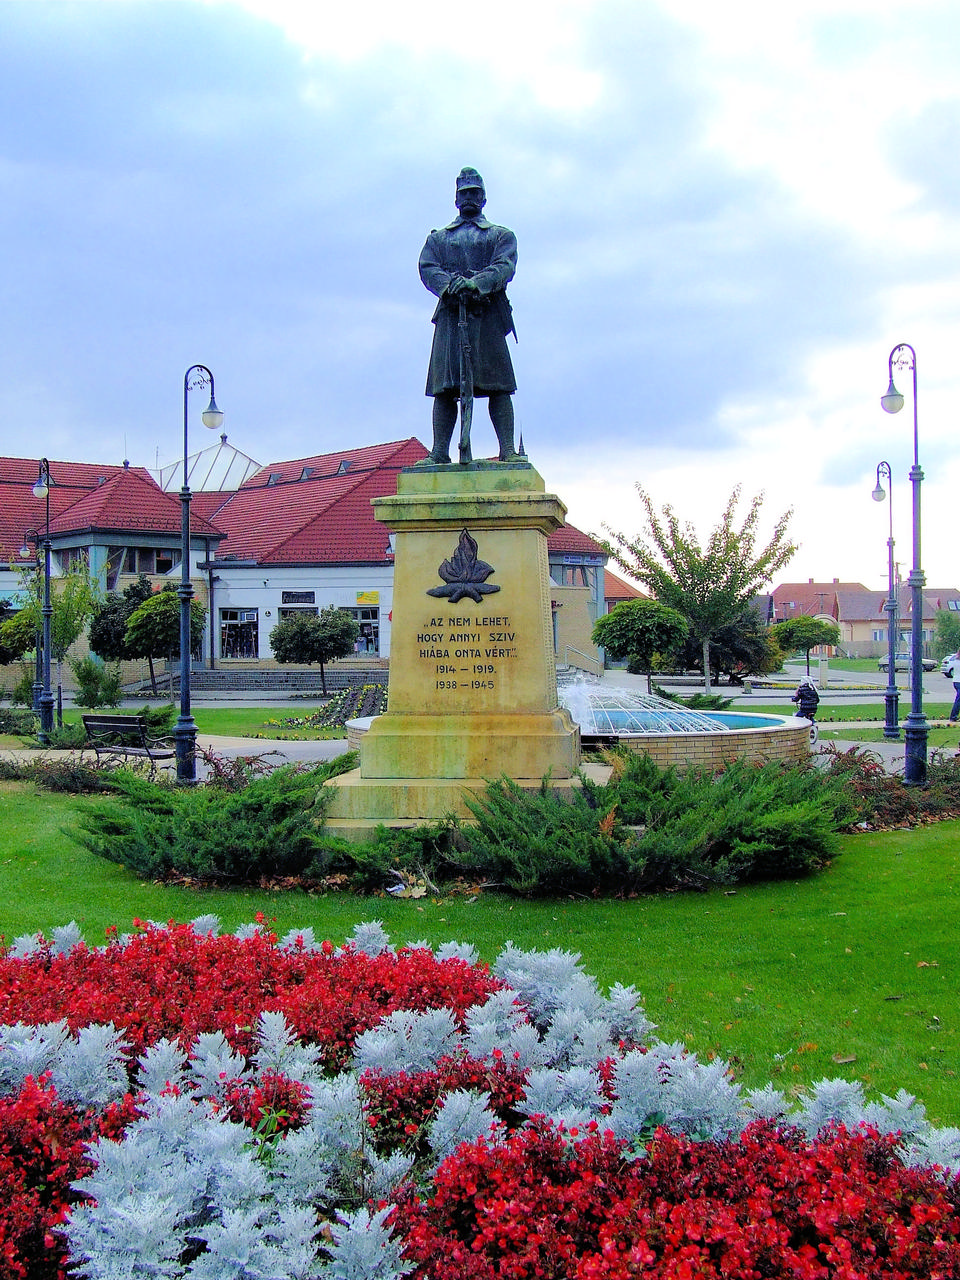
(469, 178)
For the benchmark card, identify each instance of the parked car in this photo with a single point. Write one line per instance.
(947, 663)
(904, 662)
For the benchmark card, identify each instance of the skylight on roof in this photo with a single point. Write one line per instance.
(343, 467)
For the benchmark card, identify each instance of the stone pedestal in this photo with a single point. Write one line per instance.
(473, 682)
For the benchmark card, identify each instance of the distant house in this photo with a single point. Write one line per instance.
(294, 536)
(616, 591)
(861, 614)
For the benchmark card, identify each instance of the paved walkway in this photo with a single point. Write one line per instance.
(300, 752)
(288, 751)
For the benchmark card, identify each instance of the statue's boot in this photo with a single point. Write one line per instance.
(501, 415)
(508, 452)
(442, 435)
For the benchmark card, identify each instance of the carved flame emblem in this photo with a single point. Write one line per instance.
(464, 574)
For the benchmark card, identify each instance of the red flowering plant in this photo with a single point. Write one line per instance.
(171, 982)
(562, 1205)
(43, 1149)
(271, 1105)
(398, 1105)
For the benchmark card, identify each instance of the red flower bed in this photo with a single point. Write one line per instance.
(171, 982)
(544, 1203)
(771, 1205)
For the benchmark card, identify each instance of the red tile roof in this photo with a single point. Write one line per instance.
(130, 503)
(21, 512)
(851, 601)
(309, 511)
(615, 589)
(318, 510)
(569, 538)
(397, 453)
(314, 510)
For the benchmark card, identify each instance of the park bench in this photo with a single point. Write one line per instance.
(124, 737)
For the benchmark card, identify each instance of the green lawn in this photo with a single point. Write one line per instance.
(236, 722)
(939, 737)
(847, 664)
(260, 722)
(858, 963)
(840, 712)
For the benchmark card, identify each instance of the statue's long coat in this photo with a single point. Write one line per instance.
(480, 250)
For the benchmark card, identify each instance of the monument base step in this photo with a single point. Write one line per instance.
(363, 804)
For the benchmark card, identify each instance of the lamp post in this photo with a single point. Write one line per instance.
(26, 552)
(185, 730)
(891, 727)
(903, 356)
(42, 490)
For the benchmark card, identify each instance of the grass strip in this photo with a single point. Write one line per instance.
(850, 973)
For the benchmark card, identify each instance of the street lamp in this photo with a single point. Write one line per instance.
(185, 730)
(891, 727)
(27, 553)
(42, 490)
(903, 356)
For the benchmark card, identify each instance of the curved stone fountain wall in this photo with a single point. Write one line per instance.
(783, 738)
(744, 737)
(673, 734)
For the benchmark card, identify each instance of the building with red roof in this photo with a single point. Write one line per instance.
(293, 536)
(861, 614)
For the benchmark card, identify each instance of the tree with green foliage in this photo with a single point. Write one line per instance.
(305, 638)
(74, 597)
(804, 633)
(947, 639)
(16, 638)
(153, 628)
(744, 647)
(640, 630)
(107, 635)
(108, 626)
(710, 585)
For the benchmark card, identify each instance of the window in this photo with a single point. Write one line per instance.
(239, 633)
(303, 611)
(368, 642)
(75, 559)
(148, 559)
(571, 575)
(880, 634)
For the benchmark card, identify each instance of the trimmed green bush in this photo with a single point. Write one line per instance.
(537, 842)
(272, 827)
(97, 685)
(13, 720)
(650, 829)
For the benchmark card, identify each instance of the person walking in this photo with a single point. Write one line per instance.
(953, 673)
(806, 698)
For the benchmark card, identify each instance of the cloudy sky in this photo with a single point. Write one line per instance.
(728, 215)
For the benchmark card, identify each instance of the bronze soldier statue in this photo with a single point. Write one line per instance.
(468, 265)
